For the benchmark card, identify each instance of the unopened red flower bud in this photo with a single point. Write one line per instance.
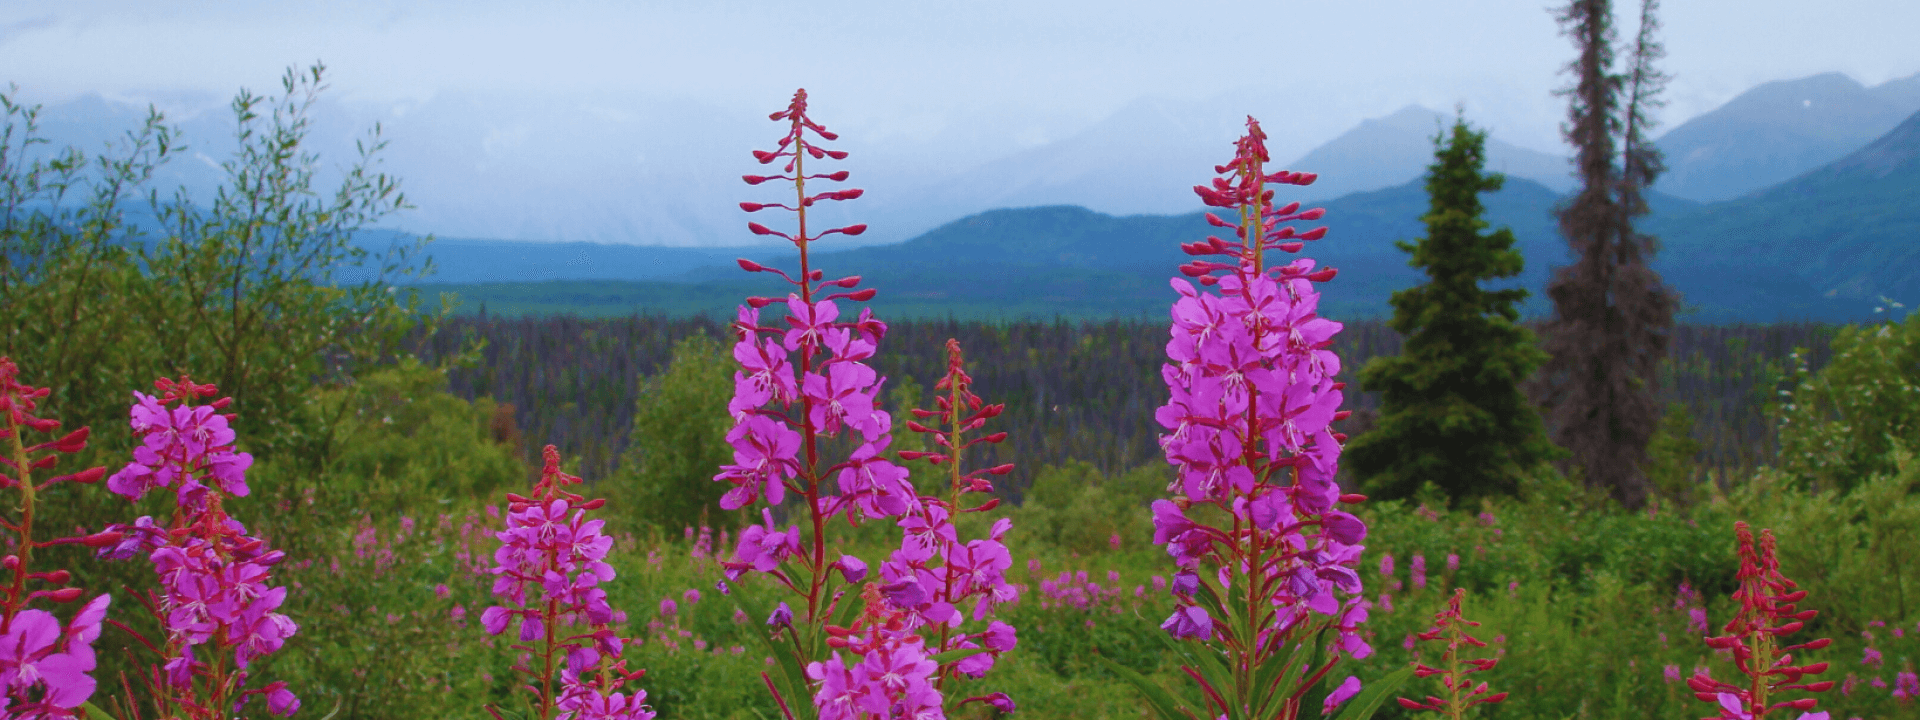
(84, 477)
(73, 442)
(1323, 275)
(1353, 498)
(594, 504)
(853, 229)
(1292, 247)
(1000, 469)
(63, 595)
(749, 265)
(759, 302)
(1314, 214)
(759, 229)
(765, 157)
(1314, 234)
(102, 539)
(756, 179)
(863, 295)
(57, 577)
(752, 206)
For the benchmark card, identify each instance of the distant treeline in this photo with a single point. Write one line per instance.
(1073, 390)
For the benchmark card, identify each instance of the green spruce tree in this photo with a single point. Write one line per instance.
(1452, 411)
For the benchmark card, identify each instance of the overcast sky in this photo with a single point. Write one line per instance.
(1033, 67)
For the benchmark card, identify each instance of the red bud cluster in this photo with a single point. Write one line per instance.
(1767, 612)
(960, 411)
(1246, 192)
(796, 148)
(1450, 625)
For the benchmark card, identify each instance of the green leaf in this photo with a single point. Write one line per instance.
(1270, 672)
(95, 713)
(1161, 701)
(792, 678)
(1363, 706)
(957, 655)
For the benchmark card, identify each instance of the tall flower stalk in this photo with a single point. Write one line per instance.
(1266, 562)
(797, 388)
(1767, 613)
(550, 566)
(214, 603)
(1450, 627)
(45, 666)
(801, 388)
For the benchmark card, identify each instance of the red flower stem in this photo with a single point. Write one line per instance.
(955, 447)
(784, 710)
(24, 471)
(551, 614)
(1247, 656)
(819, 555)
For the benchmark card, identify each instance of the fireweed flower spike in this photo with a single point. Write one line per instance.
(213, 575)
(1766, 614)
(1270, 564)
(550, 568)
(798, 386)
(955, 581)
(45, 666)
(1449, 626)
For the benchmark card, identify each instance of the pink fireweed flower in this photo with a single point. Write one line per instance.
(1766, 615)
(213, 574)
(1248, 427)
(1449, 626)
(804, 378)
(887, 673)
(549, 568)
(1419, 571)
(1906, 686)
(1347, 689)
(45, 667)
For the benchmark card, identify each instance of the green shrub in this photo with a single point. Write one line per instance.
(1838, 426)
(680, 426)
(1077, 508)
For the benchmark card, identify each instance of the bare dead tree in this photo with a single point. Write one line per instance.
(1612, 313)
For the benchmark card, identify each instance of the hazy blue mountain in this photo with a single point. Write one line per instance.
(1838, 237)
(1388, 151)
(1068, 260)
(1779, 130)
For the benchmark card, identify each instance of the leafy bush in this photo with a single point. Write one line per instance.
(680, 426)
(1838, 426)
(1077, 508)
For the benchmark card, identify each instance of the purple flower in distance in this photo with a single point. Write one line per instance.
(782, 616)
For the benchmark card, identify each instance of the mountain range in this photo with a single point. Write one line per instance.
(1825, 245)
(664, 171)
(1795, 199)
